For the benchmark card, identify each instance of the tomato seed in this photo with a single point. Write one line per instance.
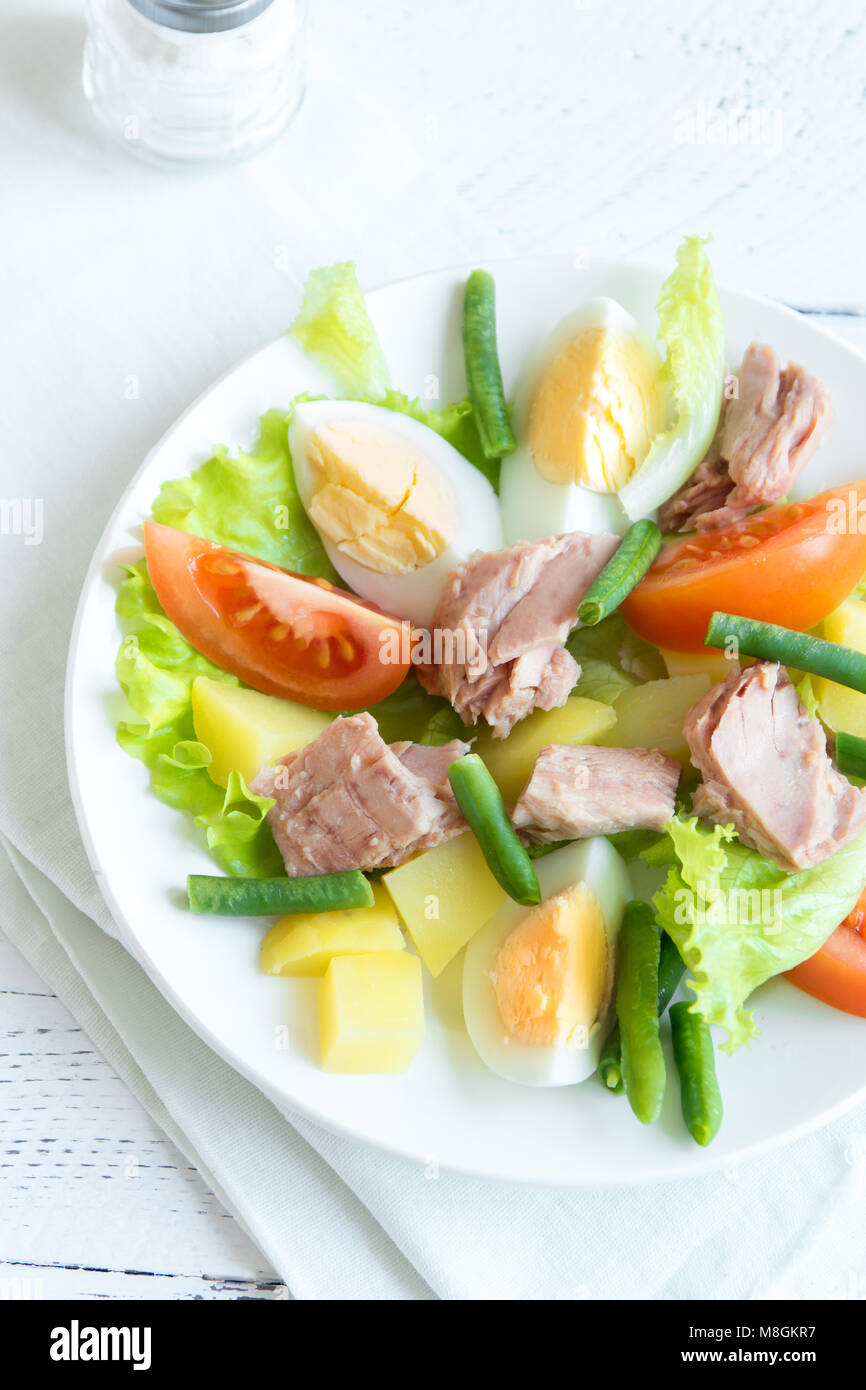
(219, 564)
(245, 615)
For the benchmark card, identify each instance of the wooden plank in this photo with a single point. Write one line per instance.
(24, 1282)
(86, 1177)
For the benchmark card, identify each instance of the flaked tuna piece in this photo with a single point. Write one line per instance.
(506, 615)
(431, 762)
(766, 770)
(766, 435)
(349, 801)
(704, 495)
(579, 791)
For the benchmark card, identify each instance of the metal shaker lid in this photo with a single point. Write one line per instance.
(201, 16)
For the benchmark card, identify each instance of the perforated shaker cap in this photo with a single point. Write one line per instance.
(201, 16)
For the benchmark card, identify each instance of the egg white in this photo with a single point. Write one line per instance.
(596, 863)
(416, 594)
(532, 507)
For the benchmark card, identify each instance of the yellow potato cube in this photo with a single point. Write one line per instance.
(714, 664)
(511, 760)
(444, 896)
(652, 715)
(847, 624)
(840, 707)
(371, 1012)
(246, 730)
(304, 943)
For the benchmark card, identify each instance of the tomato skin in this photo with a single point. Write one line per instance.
(837, 973)
(284, 634)
(790, 564)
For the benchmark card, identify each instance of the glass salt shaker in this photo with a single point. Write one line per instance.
(195, 81)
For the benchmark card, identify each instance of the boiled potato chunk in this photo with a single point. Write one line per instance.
(512, 759)
(715, 664)
(840, 707)
(371, 1012)
(304, 943)
(244, 729)
(847, 624)
(444, 895)
(652, 715)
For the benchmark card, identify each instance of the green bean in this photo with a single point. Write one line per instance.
(637, 550)
(267, 897)
(771, 643)
(851, 755)
(693, 1054)
(671, 970)
(610, 1062)
(480, 801)
(483, 374)
(643, 1063)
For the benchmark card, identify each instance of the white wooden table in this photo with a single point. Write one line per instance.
(611, 128)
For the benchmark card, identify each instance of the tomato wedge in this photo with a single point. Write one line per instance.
(790, 564)
(284, 634)
(837, 973)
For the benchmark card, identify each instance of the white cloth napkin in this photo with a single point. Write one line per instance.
(132, 290)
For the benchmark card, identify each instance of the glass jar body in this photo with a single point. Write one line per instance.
(188, 98)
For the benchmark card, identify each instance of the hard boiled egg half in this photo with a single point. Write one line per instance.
(538, 984)
(585, 412)
(396, 505)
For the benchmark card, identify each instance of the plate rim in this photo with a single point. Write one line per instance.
(674, 1170)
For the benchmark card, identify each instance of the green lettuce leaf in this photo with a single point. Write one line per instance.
(444, 726)
(599, 680)
(633, 844)
(410, 713)
(739, 919)
(334, 327)
(612, 659)
(238, 835)
(691, 326)
(808, 698)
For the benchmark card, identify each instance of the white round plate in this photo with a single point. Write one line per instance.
(808, 1063)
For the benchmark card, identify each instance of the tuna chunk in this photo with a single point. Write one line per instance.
(766, 770)
(765, 437)
(502, 622)
(576, 792)
(349, 801)
(703, 496)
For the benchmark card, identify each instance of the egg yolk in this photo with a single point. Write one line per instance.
(378, 498)
(596, 411)
(552, 976)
